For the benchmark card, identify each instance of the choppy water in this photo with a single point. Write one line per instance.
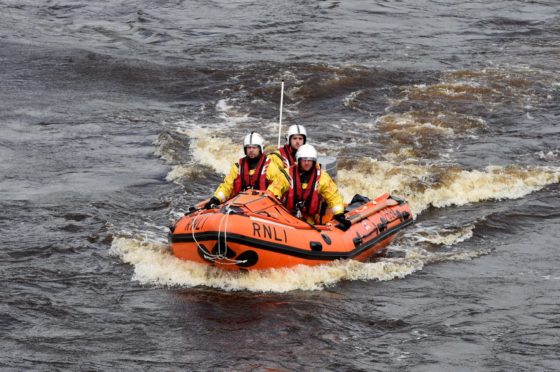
(117, 116)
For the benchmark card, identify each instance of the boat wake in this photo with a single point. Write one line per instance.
(155, 265)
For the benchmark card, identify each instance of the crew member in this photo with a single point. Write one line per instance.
(253, 171)
(286, 155)
(309, 186)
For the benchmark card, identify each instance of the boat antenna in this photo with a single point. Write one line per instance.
(280, 121)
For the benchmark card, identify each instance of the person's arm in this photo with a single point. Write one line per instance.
(223, 192)
(277, 158)
(329, 192)
(278, 180)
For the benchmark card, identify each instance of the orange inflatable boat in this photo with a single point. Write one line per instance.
(254, 231)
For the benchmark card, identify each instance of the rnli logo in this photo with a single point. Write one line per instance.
(269, 232)
(198, 223)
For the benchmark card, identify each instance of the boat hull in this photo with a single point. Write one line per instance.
(254, 231)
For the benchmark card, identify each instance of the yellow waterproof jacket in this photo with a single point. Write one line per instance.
(278, 181)
(278, 159)
(328, 193)
(283, 157)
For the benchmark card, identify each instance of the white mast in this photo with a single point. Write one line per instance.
(280, 121)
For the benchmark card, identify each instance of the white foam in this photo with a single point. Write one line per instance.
(229, 113)
(179, 172)
(445, 236)
(219, 154)
(155, 265)
(425, 186)
(549, 155)
(222, 106)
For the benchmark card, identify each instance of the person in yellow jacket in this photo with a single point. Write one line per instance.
(253, 171)
(309, 187)
(286, 155)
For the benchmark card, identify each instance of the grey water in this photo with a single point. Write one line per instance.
(452, 104)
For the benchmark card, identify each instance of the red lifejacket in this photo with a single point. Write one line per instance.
(286, 152)
(245, 181)
(309, 196)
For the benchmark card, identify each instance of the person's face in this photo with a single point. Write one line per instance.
(296, 141)
(252, 151)
(306, 164)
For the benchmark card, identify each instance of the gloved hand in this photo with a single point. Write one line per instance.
(343, 223)
(211, 203)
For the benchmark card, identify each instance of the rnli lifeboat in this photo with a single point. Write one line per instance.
(254, 231)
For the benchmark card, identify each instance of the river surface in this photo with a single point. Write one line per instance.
(116, 116)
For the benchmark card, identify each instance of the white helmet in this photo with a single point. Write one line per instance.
(306, 152)
(254, 139)
(297, 129)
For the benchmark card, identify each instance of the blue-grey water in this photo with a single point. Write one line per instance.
(115, 117)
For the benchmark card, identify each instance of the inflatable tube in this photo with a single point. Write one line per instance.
(254, 231)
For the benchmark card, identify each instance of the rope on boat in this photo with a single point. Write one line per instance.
(219, 256)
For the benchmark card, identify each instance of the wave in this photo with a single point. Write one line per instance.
(427, 186)
(154, 265)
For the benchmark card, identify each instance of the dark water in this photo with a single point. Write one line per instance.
(116, 116)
